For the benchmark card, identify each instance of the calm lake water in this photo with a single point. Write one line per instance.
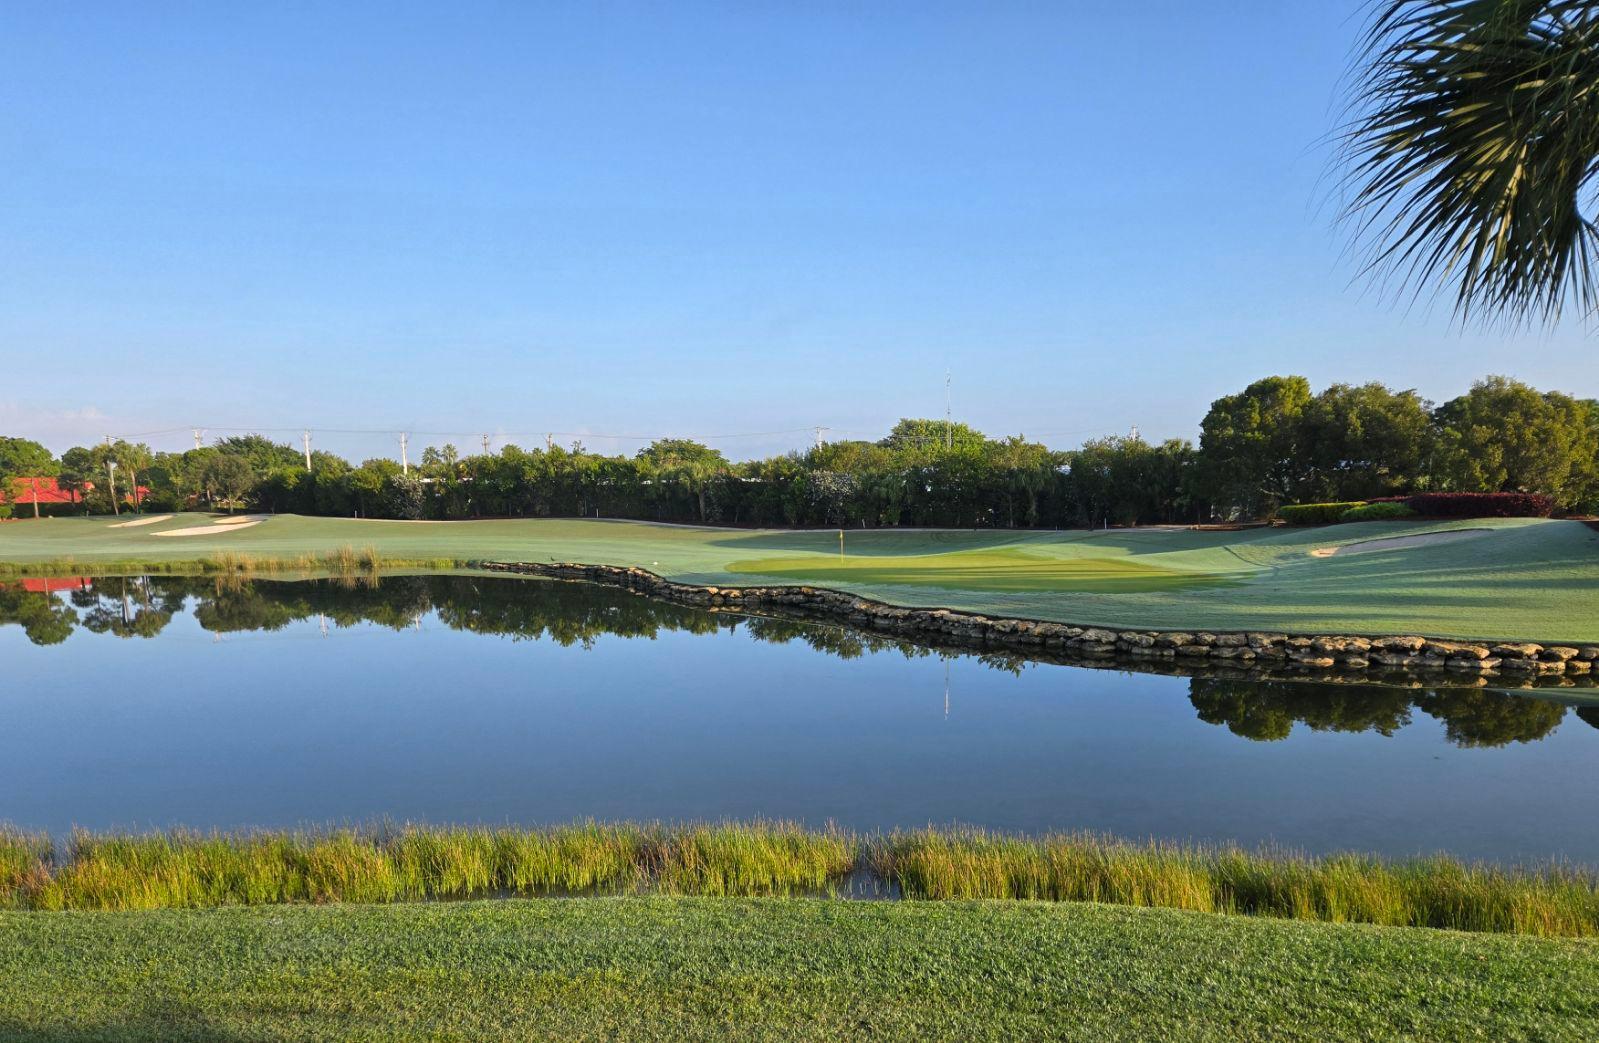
(162, 702)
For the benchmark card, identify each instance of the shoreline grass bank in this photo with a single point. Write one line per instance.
(344, 560)
(789, 970)
(414, 863)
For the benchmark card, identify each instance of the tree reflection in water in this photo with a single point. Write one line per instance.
(1267, 710)
(571, 614)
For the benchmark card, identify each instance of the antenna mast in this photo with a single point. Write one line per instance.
(949, 416)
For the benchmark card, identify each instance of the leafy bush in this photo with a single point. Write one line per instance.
(1482, 505)
(1316, 513)
(1378, 512)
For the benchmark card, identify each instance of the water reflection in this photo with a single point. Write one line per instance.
(1266, 711)
(486, 699)
(48, 612)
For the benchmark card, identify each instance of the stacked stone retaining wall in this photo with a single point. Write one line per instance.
(1407, 658)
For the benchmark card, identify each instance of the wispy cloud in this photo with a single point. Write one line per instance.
(56, 427)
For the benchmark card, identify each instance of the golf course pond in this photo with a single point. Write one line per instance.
(154, 702)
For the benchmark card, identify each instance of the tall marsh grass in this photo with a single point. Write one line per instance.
(418, 863)
(1431, 892)
(185, 870)
(24, 863)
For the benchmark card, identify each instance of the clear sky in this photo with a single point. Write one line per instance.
(708, 220)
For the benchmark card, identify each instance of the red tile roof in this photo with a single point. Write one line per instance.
(49, 491)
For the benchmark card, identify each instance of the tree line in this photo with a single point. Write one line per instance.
(1275, 442)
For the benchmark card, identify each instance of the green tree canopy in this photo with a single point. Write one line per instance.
(1503, 436)
(1253, 444)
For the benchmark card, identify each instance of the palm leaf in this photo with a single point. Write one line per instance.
(1469, 158)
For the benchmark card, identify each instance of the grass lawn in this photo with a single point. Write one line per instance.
(1525, 579)
(778, 969)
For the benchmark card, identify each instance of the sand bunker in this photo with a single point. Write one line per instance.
(141, 521)
(213, 529)
(1421, 539)
(240, 519)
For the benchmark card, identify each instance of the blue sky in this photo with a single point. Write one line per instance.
(718, 219)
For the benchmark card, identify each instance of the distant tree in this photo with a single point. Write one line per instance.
(132, 459)
(23, 458)
(1365, 441)
(1252, 445)
(403, 497)
(368, 485)
(1503, 436)
(78, 472)
(932, 435)
(684, 463)
(260, 452)
(228, 478)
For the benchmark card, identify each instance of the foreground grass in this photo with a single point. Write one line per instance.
(773, 969)
(1525, 579)
(180, 870)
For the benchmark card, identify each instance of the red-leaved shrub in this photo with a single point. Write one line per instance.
(1482, 505)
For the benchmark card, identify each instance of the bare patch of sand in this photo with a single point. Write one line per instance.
(141, 521)
(212, 529)
(1420, 539)
(240, 519)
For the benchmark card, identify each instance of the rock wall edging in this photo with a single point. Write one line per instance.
(1345, 656)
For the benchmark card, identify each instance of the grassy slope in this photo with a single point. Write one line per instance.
(1523, 578)
(790, 970)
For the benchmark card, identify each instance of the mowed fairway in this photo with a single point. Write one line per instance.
(789, 970)
(1527, 579)
(1002, 570)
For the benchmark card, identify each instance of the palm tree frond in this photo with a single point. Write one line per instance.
(1469, 158)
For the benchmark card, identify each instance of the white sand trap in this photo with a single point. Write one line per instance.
(1421, 539)
(240, 519)
(210, 530)
(141, 521)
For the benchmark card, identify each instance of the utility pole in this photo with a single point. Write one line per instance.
(111, 476)
(305, 440)
(819, 439)
(549, 442)
(405, 460)
(485, 445)
(197, 438)
(949, 416)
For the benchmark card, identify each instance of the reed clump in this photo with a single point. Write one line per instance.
(1553, 901)
(755, 859)
(24, 863)
(187, 870)
(419, 863)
